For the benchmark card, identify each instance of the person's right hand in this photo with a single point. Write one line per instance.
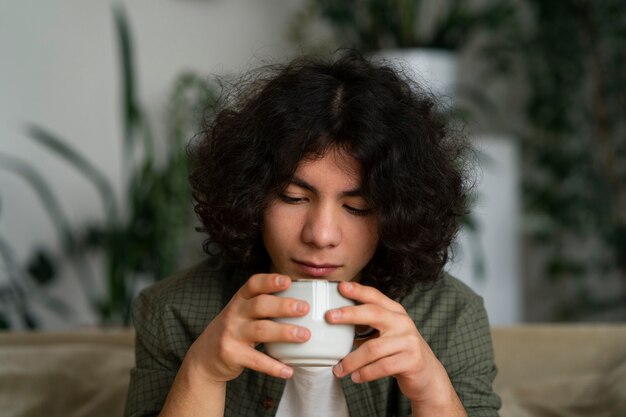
(227, 344)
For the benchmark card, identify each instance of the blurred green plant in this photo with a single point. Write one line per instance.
(371, 25)
(574, 55)
(142, 242)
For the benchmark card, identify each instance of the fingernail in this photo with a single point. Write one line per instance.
(286, 372)
(299, 332)
(356, 377)
(335, 314)
(279, 280)
(338, 370)
(348, 286)
(300, 307)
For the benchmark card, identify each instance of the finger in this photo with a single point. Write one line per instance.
(371, 351)
(258, 361)
(263, 284)
(388, 366)
(265, 331)
(369, 295)
(271, 306)
(372, 315)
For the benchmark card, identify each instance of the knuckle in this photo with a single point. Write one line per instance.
(251, 283)
(419, 364)
(413, 340)
(256, 362)
(387, 366)
(288, 306)
(375, 292)
(226, 351)
(289, 332)
(228, 314)
(256, 302)
(374, 347)
(370, 292)
(257, 331)
(378, 310)
(397, 306)
(256, 283)
(259, 303)
(406, 320)
(229, 326)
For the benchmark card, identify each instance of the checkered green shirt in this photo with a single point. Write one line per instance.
(171, 314)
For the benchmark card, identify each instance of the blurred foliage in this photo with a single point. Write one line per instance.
(141, 236)
(571, 55)
(574, 58)
(371, 25)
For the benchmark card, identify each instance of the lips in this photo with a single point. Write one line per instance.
(317, 270)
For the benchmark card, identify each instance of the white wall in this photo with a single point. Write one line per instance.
(59, 69)
(497, 213)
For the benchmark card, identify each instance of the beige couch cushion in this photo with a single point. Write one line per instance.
(65, 375)
(597, 394)
(561, 371)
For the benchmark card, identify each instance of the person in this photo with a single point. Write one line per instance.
(337, 169)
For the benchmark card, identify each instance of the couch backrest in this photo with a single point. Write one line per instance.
(86, 373)
(532, 352)
(76, 374)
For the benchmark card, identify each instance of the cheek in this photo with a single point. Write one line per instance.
(367, 240)
(277, 231)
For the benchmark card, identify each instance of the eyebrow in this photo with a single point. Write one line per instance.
(356, 192)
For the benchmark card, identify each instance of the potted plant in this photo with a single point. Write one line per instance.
(427, 35)
(140, 239)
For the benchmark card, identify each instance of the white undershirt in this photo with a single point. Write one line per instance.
(313, 392)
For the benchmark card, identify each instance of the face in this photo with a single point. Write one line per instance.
(321, 226)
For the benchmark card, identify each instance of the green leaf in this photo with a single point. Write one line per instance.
(41, 267)
(133, 116)
(4, 322)
(69, 154)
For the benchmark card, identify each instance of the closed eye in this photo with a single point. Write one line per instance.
(290, 200)
(358, 211)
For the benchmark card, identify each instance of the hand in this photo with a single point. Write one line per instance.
(227, 345)
(399, 350)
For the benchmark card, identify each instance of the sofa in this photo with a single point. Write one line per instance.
(544, 371)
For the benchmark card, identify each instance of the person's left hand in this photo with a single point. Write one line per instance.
(399, 350)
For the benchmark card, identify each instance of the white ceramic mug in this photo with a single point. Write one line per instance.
(328, 343)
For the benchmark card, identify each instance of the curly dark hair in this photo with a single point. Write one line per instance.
(413, 164)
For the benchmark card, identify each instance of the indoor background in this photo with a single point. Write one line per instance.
(99, 98)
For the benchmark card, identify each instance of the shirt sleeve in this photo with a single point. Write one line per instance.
(470, 362)
(155, 365)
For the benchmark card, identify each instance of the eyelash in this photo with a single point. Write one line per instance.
(358, 212)
(290, 200)
(351, 210)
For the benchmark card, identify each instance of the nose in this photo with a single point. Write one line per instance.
(322, 227)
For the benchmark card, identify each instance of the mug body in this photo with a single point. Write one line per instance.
(328, 343)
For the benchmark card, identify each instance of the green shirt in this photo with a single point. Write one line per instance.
(171, 314)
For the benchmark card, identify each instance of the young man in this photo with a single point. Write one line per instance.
(338, 170)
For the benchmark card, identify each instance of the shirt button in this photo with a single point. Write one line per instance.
(267, 403)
